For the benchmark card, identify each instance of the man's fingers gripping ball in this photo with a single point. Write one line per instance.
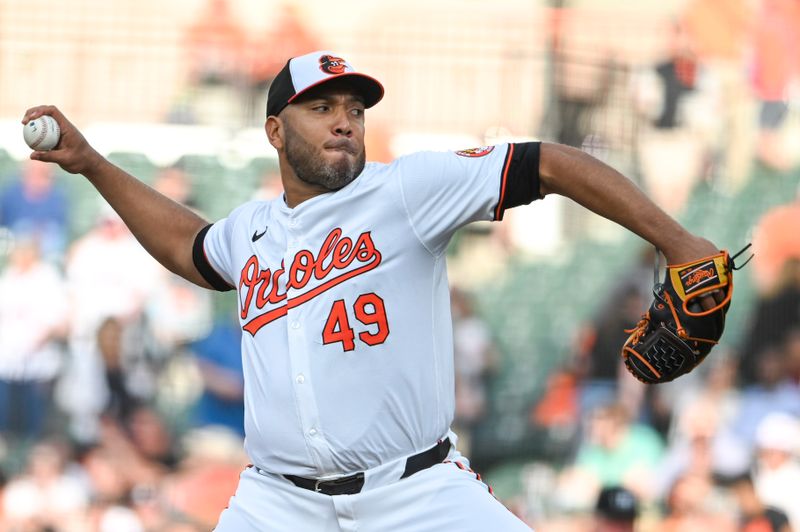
(42, 133)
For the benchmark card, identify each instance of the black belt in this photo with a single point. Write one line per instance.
(353, 483)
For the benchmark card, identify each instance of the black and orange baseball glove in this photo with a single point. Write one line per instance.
(677, 331)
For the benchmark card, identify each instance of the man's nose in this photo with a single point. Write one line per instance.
(342, 125)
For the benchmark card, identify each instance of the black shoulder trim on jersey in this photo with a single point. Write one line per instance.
(203, 266)
(520, 180)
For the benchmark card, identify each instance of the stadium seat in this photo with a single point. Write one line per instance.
(8, 167)
(136, 164)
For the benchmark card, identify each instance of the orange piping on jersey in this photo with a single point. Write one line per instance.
(498, 213)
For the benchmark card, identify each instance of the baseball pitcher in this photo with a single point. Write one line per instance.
(343, 301)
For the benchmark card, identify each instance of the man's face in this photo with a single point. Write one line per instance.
(324, 136)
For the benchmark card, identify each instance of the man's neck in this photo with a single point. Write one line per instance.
(296, 191)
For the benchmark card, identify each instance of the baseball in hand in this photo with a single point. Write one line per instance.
(42, 133)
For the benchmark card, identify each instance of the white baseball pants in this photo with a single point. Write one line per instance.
(445, 497)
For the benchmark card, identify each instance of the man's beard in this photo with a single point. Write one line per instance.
(310, 166)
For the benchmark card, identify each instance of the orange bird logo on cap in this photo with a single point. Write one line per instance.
(331, 64)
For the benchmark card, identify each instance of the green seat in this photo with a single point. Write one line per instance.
(84, 203)
(136, 164)
(9, 168)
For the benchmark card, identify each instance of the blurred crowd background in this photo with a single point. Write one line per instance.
(121, 386)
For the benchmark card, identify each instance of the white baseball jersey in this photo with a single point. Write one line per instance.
(344, 304)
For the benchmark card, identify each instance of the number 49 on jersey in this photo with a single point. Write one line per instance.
(369, 310)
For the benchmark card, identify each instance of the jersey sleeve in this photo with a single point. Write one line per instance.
(212, 252)
(443, 191)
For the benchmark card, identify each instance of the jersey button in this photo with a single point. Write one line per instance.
(312, 432)
(300, 379)
(295, 325)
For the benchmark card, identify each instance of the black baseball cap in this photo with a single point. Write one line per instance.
(617, 504)
(306, 72)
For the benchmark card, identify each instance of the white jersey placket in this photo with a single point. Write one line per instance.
(297, 331)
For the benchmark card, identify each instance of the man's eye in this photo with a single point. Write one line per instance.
(320, 108)
(357, 112)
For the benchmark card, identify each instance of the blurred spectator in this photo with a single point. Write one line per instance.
(110, 493)
(582, 75)
(775, 243)
(47, 496)
(215, 44)
(219, 358)
(33, 314)
(775, 315)
(692, 504)
(557, 410)
(152, 438)
(175, 184)
(674, 149)
(599, 357)
(108, 484)
(119, 519)
(616, 510)
(177, 312)
(121, 402)
(774, 391)
(777, 474)
(719, 28)
(792, 345)
(754, 515)
(598, 345)
(714, 383)
(35, 205)
(3, 483)
(476, 359)
(702, 443)
(720, 31)
(207, 476)
(148, 501)
(776, 60)
(288, 36)
(124, 485)
(678, 76)
(617, 452)
(99, 289)
(116, 447)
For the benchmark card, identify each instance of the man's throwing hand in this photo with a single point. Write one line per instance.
(72, 153)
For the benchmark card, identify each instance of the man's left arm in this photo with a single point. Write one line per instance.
(598, 187)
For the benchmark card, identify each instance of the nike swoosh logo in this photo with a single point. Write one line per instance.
(257, 235)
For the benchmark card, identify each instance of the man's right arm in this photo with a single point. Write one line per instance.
(166, 229)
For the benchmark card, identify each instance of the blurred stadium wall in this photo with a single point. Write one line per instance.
(450, 67)
(458, 73)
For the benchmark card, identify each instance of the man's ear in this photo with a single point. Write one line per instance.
(274, 129)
